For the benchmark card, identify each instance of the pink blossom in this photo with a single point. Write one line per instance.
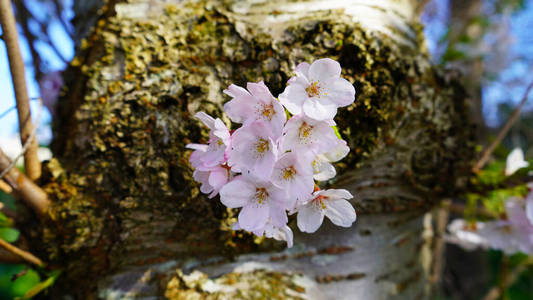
(322, 167)
(305, 135)
(49, 87)
(213, 179)
(257, 104)
(293, 176)
(317, 90)
(283, 233)
(331, 203)
(511, 235)
(261, 202)
(254, 150)
(215, 153)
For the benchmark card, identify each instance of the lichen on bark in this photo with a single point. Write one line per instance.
(125, 195)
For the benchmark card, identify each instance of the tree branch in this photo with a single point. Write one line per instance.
(486, 154)
(16, 65)
(24, 188)
(21, 253)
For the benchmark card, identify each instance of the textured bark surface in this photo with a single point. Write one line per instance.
(127, 213)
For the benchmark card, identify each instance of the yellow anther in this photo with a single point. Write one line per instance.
(288, 173)
(260, 195)
(305, 130)
(313, 90)
(262, 146)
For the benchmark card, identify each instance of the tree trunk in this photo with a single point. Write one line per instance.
(129, 221)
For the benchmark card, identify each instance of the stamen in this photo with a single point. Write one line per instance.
(289, 172)
(268, 111)
(262, 146)
(313, 90)
(305, 131)
(260, 195)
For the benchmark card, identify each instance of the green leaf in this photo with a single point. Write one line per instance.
(16, 280)
(39, 287)
(9, 235)
(5, 221)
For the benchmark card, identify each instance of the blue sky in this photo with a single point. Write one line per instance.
(494, 92)
(9, 123)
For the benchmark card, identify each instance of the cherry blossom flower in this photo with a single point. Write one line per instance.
(261, 202)
(322, 167)
(317, 90)
(254, 150)
(283, 233)
(49, 87)
(304, 135)
(515, 161)
(218, 145)
(511, 235)
(255, 104)
(269, 165)
(331, 203)
(212, 179)
(293, 176)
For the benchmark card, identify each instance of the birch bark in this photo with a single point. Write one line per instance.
(129, 221)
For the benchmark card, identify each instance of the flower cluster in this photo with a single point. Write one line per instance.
(269, 165)
(511, 234)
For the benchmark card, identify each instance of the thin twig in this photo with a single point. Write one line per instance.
(24, 188)
(45, 37)
(21, 253)
(496, 291)
(7, 111)
(16, 66)
(59, 10)
(486, 154)
(26, 145)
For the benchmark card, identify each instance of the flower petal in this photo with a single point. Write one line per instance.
(237, 193)
(336, 194)
(206, 119)
(324, 69)
(319, 110)
(309, 218)
(340, 91)
(302, 69)
(253, 216)
(294, 95)
(340, 212)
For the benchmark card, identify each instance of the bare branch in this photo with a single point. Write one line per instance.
(21, 253)
(486, 154)
(16, 65)
(24, 188)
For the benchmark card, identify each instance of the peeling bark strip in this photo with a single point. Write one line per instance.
(127, 211)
